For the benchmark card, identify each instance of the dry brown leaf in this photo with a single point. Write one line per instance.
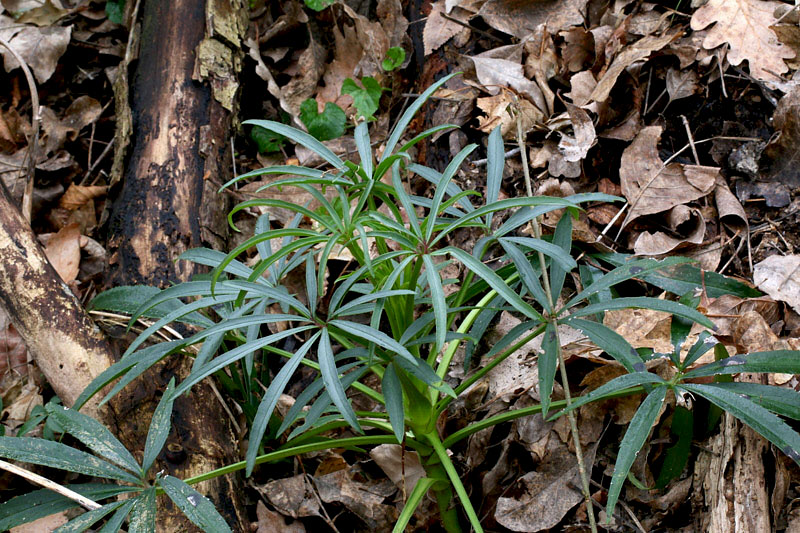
(402, 466)
(48, 523)
(779, 276)
(547, 494)
(780, 160)
(494, 73)
(45, 14)
(642, 328)
(307, 72)
(82, 112)
(520, 19)
(292, 496)
(651, 187)
(637, 51)
(498, 114)
(64, 252)
(77, 195)
(728, 206)
(575, 148)
(40, 48)
(685, 221)
(582, 85)
(272, 522)
(745, 26)
(438, 30)
(681, 83)
(347, 52)
(364, 498)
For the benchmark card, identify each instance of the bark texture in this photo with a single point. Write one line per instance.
(67, 346)
(183, 99)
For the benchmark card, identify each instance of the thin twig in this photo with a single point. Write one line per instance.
(483, 162)
(537, 232)
(691, 139)
(51, 485)
(473, 28)
(33, 142)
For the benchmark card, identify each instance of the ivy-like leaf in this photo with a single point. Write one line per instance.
(394, 58)
(326, 125)
(365, 99)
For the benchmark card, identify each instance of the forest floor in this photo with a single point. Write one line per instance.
(605, 92)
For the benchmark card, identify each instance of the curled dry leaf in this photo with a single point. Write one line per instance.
(652, 187)
(402, 466)
(497, 109)
(574, 148)
(520, 19)
(685, 221)
(745, 26)
(494, 74)
(78, 195)
(364, 498)
(40, 48)
(64, 252)
(779, 276)
(779, 160)
(270, 522)
(681, 83)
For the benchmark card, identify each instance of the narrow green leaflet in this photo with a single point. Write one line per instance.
(678, 454)
(764, 422)
(88, 519)
(526, 272)
(361, 136)
(495, 161)
(609, 340)
(438, 302)
(555, 252)
(143, 514)
(779, 400)
(562, 237)
(330, 376)
(609, 389)
(301, 137)
(393, 395)
(326, 125)
(494, 281)
(159, 427)
(643, 302)
(114, 523)
(632, 269)
(57, 455)
(548, 363)
(194, 505)
(632, 442)
(376, 336)
(94, 435)
(780, 361)
(270, 400)
(44, 502)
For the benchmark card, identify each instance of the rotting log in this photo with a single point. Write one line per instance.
(183, 102)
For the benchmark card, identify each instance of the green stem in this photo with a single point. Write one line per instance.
(455, 480)
(443, 492)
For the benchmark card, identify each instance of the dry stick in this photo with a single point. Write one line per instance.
(33, 143)
(573, 424)
(691, 139)
(46, 483)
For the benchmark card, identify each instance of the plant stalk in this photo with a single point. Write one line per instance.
(573, 423)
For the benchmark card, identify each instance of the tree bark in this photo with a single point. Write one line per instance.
(183, 101)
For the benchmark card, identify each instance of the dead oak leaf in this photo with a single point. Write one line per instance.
(652, 187)
(745, 26)
(438, 30)
(40, 48)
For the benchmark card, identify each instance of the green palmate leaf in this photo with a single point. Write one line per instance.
(548, 363)
(632, 442)
(88, 519)
(419, 491)
(44, 502)
(330, 376)
(562, 237)
(494, 281)
(683, 278)
(631, 269)
(610, 389)
(326, 125)
(394, 58)
(57, 455)
(266, 141)
(94, 435)
(365, 99)
(667, 306)
(612, 342)
(114, 523)
(780, 400)
(780, 361)
(393, 395)
(408, 115)
(270, 400)
(143, 514)
(194, 505)
(160, 425)
(438, 302)
(301, 137)
(319, 5)
(763, 421)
